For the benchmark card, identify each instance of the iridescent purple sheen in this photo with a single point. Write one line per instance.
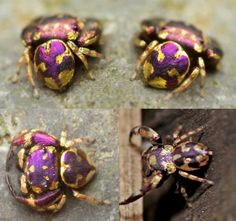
(161, 68)
(53, 27)
(37, 178)
(186, 35)
(201, 153)
(53, 69)
(75, 167)
(41, 139)
(160, 159)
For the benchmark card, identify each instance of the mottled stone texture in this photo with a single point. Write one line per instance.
(121, 20)
(216, 203)
(98, 124)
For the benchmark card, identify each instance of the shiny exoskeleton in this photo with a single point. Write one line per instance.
(52, 44)
(47, 164)
(159, 161)
(175, 53)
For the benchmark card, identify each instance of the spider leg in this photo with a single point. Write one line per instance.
(145, 132)
(185, 196)
(57, 206)
(15, 78)
(81, 52)
(187, 135)
(91, 31)
(26, 57)
(185, 84)
(143, 57)
(194, 178)
(150, 183)
(177, 131)
(69, 143)
(30, 73)
(201, 65)
(181, 189)
(139, 42)
(89, 199)
(41, 203)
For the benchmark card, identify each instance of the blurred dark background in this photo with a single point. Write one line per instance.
(209, 204)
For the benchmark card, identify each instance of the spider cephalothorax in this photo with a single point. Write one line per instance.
(159, 161)
(175, 53)
(47, 165)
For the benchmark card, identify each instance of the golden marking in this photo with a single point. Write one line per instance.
(90, 175)
(21, 158)
(34, 148)
(46, 177)
(202, 159)
(184, 32)
(163, 152)
(51, 149)
(45, 156)
(173, 72)
(169, 148)
(27, 139)
(156, 180)
(36, 36)
(148, 69)
(187, 160)
(32, 169)
(90, 162)
(45, 167)
(185, 149)
(176, 157)
(36, 189)
(50, 82)
(59, 58)
(163, 34)
(157, 82)
(152, 160)
(161, 56)
(66, 76)
(41, 66)
(45, 27)
(72, 35)
(23, 186)
(54, 185)
(56, 25)
(31, 202)
(170, 167)
(66, 26)
(197, 47)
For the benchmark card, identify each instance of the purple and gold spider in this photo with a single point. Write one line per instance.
(47, 166)
(160, 161)
(53, 43)
(175, 53)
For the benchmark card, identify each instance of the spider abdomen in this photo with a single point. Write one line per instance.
(191, 156)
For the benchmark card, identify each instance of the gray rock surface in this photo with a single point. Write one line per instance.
(121, 20)
(99, 124)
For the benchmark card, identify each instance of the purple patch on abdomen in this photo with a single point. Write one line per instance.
(43, 167)
(170, 62)
(48, 57)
